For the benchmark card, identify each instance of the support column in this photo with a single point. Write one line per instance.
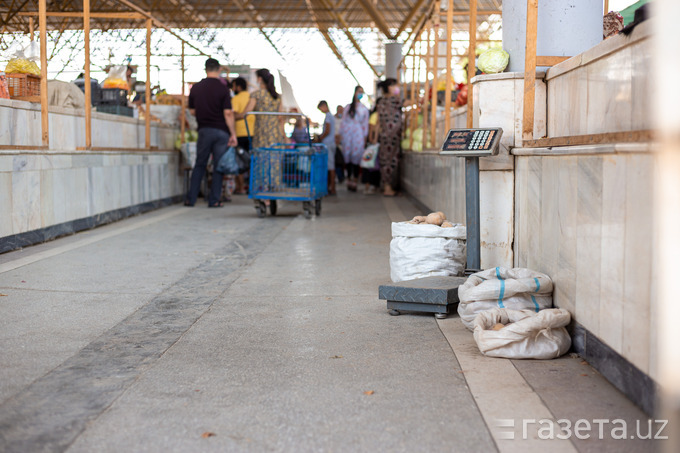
(147, 97)
(564, 28)
(392, 59)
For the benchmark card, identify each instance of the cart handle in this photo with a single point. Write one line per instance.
(250, 138)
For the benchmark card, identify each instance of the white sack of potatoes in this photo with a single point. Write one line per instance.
(527, 335)
(423, 250)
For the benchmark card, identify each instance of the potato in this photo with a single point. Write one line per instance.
(434, 218)
(447, 224)
(498, 326)
(418, 219)
(442, 214)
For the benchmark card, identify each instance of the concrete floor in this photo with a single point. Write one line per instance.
(194, 329)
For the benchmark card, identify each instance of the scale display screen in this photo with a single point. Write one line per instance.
(472, 142)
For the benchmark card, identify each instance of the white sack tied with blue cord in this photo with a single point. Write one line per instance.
(526, 335)
(516, 289)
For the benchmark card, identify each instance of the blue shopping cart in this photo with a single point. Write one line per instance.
(283, 171)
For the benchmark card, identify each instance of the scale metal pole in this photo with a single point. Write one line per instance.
(472, 212)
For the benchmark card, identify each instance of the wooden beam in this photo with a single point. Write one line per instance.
(449, 69)
(428, 66)
(44, 114)
(94, 15)
(409, 17)
(182, 115)
(327, 37)
(472, 56)
(606, 6)
(345, 28)
(435, 76)
(250, 11)
(416, 88)
(592, 139)
(88, 87)
(550, 61)
(160, 24)
(377, 17)
(31, 28)
(479, 13)
(147, 116)
(530, 71)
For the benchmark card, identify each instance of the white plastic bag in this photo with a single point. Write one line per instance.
(527, 335)
(419, 251)
(517, 289)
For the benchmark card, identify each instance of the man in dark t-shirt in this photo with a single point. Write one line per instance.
(210, 103)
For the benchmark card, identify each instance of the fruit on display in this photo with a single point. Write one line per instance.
(22, 66)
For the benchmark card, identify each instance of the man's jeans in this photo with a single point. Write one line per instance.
(210, 141)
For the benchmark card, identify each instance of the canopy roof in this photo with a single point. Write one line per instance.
(389, 16)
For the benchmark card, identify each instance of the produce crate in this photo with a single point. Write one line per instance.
(116, 110)
(114, 96)
(23, 85)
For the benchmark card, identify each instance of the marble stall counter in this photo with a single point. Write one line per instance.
(20, 125)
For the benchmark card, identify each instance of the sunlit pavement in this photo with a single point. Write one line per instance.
(195, 329)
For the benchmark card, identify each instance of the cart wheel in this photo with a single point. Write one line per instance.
(317, 207)
(272, 207)
(261, 210)
(440, 315)
(307, 206)
(394, 312)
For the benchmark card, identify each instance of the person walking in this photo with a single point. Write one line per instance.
(354, 130)
(371, 178)
(239, 103)
(327, 137)
(339, 157)
(210, 103)
(268, 129)
(389, 136)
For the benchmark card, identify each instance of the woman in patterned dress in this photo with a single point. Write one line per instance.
(268, 129)
(353, 133)
(389, 115)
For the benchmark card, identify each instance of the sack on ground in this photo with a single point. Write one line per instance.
(228, 164)
(517, 289)
(243, 159)
(419, 251)
(526, 335)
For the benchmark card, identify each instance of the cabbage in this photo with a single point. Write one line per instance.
(493, 61)
(406, 143)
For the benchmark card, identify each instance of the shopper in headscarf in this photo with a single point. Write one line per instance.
(389, 137)
(354, 130)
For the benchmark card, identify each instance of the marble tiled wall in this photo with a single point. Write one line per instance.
(436, 181)
(587, 222)
(20, 125)
(40, 190)
(606, 89)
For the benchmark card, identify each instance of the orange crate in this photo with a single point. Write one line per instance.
(21, 85)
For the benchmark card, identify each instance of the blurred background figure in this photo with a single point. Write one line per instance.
(354, 131)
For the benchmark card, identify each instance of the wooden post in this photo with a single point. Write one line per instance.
(42, 22)
(449, 70)
(435, 75)
(147, 115)
(413, 116)
(530, 71)
(182, 115)
(472, 56)
(31, 28)
(428, 66)
(88, 87)
(606, 6)
(416, 86)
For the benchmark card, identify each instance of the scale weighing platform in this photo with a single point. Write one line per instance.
(438, 295)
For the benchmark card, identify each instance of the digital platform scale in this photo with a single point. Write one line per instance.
(472, 142)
